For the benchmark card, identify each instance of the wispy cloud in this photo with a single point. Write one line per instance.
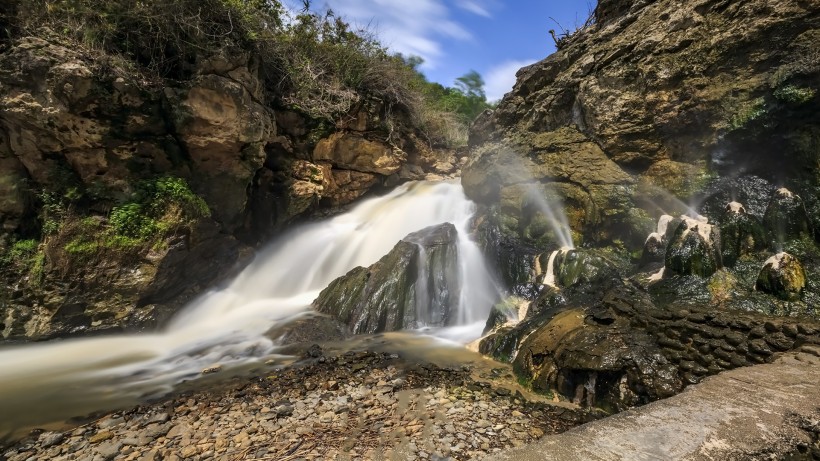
(411, 27)
(474, 7)
(501, 78)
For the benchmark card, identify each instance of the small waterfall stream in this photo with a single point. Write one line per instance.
(227, 326)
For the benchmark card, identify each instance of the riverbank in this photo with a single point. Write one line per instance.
(356, 405)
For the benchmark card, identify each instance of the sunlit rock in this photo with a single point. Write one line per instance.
(693, 249)
(783, 276)
(654, 247)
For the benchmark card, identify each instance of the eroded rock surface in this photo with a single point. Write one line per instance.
(648, 105)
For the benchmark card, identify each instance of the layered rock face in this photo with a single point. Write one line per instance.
(689, 130)
(80, 129)
(647, 106)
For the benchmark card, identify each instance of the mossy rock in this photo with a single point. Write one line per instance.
(782, 276)
(786, 218)
(741, 234)
(415, 285)
(693, 249)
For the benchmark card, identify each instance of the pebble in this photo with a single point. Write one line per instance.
(325, 412)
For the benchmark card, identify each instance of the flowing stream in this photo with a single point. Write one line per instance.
(227, 327)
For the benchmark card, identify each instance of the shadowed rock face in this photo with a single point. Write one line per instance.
(652, 102)
(786, 218)
(416, 284)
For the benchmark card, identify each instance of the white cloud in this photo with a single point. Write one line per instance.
(501, 78)
(474, 7)
(410, 27)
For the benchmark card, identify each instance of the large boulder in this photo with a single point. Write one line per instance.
(782, 275)
(595, 358)
(741, 234)
(415, 285)
(786, 218)
(694, 249)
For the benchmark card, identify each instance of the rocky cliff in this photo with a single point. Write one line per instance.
(676, 146)
(652, 105)
(83, 133)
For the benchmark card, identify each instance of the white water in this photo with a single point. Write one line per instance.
(227, 326)
(554, 213)
(549, 277)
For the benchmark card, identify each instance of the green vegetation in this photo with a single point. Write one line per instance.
(749, 112)
(312, 62)
(794, 95)
(158, 209)
(27, 255)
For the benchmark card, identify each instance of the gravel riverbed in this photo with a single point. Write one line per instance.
(354, 406)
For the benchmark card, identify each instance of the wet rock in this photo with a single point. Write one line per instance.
(654, 248)
(415, 285)
(786, 218)
(581, 266)
(741, 234)
(782, 275)
(611, 366)
(507, 312)
(693, 249)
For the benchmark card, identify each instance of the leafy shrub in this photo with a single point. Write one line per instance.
(20, 252)
(159, 206)
(165, 36)
(129, 220)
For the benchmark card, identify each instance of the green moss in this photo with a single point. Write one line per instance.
(792, 94)
(82, 247)
(747, 113)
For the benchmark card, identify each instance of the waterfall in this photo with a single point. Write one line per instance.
(227, 326)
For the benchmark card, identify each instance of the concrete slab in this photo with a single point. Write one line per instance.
(754, 412)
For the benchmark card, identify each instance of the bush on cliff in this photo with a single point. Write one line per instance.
(313, 62)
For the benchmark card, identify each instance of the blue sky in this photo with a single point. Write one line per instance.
(494, 37)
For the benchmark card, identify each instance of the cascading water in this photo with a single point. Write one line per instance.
(228, 326)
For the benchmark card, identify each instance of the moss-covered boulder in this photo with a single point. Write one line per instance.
(693, 249)
(782, 276)
(581, 266)
(740, 234)
(786, 218)
(415, 285)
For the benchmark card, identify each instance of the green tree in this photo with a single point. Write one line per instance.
(474, 101)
